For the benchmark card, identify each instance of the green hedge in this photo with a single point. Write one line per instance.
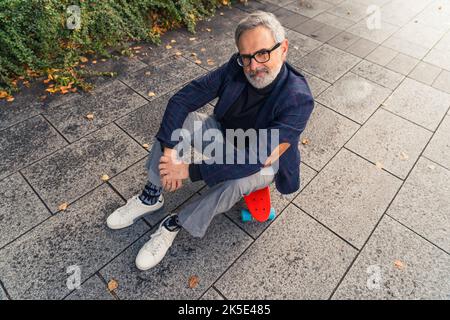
(34, 39)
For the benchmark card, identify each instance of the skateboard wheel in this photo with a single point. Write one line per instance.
(272, 214)
(246, 216)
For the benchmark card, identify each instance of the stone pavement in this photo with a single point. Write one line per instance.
(372, 219)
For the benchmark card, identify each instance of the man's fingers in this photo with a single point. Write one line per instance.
(163, 172)
(179, 183)
(164, 159)
(162, 166)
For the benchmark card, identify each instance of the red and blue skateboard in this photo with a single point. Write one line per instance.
(259, 208)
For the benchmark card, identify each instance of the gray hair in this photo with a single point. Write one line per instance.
(260, 18)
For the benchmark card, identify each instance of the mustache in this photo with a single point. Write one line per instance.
(263, 69)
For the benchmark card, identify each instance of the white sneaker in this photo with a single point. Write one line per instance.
(156, 248)
(134, 208)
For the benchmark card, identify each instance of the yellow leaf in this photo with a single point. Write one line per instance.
(94, 61)
(90, 116)
(192, 39)
(151, 94)
(10, 99)
(105, 177)
(173, 41)
(84, 59)
(193, 54)
(305, 141)
(178, 53)
(208, 29)
(198, 62)
(63, 206)
(113, 285)
(203, 49)
(193, 282)
(168, 46)
(3, 94)
(146, 146)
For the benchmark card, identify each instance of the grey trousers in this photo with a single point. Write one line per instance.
(197, 215)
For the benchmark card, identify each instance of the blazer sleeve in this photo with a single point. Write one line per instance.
(190, 98)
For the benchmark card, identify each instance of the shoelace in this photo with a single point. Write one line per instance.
(157, 240)
(122, 211)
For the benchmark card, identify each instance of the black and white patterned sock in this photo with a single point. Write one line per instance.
(150, 194)
(172, 224)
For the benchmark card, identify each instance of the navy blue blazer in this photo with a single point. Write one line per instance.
(287, 109)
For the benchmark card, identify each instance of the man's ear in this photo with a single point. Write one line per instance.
(284, 49)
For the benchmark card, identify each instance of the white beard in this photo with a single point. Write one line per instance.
(265, 80)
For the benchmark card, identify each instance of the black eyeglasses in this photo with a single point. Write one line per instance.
(261, 56)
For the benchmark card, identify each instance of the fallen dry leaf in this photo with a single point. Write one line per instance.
(399, 265)
(208, 29)
(193, 54)
(10, 99)
(178, 53)
(94, 61)
(105, 177)
(305, 141)
(63, 206)
(203, 49)
(168, 46)
(113, 285)
(146, 146)
(173, 41)
(198, 62)
(90, 116)
(404, 156)
(84, 59)
(192, 39)
(148, 73)
(151, 94)
(379, 165)
(3, 94)
(193, 282)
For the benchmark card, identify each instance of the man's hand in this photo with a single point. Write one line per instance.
(276, 153)
(172, 171)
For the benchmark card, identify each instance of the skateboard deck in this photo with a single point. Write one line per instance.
(259, 207)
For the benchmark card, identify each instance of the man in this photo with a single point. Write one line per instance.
(257, 89)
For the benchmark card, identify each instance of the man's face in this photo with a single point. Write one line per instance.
(262, 74)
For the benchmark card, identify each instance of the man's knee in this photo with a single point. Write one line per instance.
(256, 181)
